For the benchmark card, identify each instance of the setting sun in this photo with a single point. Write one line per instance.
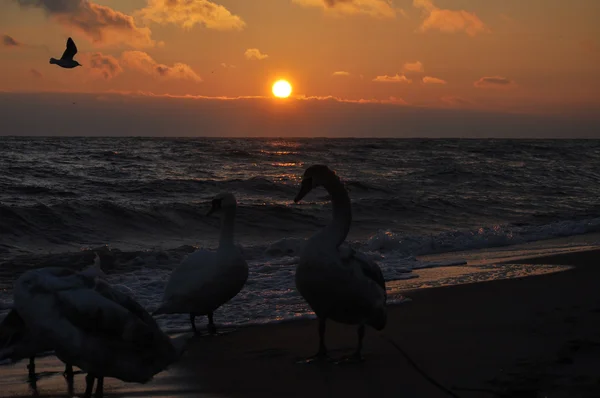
(282, 89)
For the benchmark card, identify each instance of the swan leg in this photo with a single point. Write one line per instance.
(68, 373)
(361, 336)
(321, 355)
(31, 367)
(357, 356)
(212, 329)
(89, 385)
(100, 388)
(193, 321)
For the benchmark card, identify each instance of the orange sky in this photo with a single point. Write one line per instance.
(539, 56)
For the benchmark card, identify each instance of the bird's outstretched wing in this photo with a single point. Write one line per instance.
(70, 51)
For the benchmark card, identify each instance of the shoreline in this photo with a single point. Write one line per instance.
(535, 335)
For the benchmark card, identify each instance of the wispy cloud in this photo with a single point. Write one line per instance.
(341, 73)
(392, 79)
(497, 82)
(186, 14)
(102, 65)
(254, 54)
(227, 66)
(433, 80)
(142, 62)
(9, 41)
(456, 101)
(414, 67)
(449, 21)
(35, 73)
(373, 8)
(101, 24)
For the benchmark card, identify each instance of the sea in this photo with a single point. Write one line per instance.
(141, 203)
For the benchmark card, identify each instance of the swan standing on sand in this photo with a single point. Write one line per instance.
(18, 342)
(206, 280)
(345, 287)
(94, 327)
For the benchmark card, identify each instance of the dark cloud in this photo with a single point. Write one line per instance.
(374, 8)
(494, 82)
(9, 41)
(101, 24)
(35, 73)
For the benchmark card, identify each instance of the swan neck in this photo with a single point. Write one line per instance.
(337, 230)
(227, 224)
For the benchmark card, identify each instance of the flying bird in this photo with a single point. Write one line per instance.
(67, 61)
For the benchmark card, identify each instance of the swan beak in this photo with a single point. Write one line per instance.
(305, 188)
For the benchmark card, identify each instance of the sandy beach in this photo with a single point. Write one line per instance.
(532, 337)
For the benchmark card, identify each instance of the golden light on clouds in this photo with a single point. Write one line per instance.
(282, 89)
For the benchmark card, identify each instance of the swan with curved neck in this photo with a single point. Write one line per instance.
(206, 280)
(345, 287)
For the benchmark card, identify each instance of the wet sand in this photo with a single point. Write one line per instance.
(534, 336)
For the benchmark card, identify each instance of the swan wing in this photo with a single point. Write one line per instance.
(368, 267)
(197, 269)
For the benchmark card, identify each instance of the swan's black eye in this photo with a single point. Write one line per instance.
(216, 204)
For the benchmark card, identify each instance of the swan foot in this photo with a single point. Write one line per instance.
(351, 359)
(319, 357)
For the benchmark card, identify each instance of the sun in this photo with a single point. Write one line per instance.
(282, 89)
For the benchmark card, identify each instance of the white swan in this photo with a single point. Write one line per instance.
(18, 342)
(90, 325)
(206, 280)
(345, 287)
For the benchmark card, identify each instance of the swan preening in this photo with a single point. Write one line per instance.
(345, 287)
(90, 325)
(206, 280)
(17, 341)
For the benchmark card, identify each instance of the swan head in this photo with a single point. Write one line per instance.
(222, 202)
(315, 176)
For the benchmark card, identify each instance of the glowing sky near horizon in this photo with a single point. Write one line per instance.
(535, 55)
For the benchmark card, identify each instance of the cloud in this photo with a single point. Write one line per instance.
(456, 101)
(449, 21)
(255, 54)
(341, 73)
(100, 24)
(433, 80)
(9, 41)
(187, 13)
(142, 62)
(35, 73)
(494, 82)
(373, 8)
(227, 66)
(392, 79)
(414, 67)
(103, 65)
